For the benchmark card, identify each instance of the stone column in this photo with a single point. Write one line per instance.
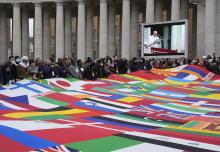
(25, 32)
(81, 31)
(59, 30)
(38, 32)
(149, 11)
(3, 35)
(68, 32)
(89, 32)
(210, 21)
(158, 10)
(200, 30)
(46, 34)
(111, 31)
(103, 29)
(184, 9)
(175, 10)
(126, 22)
(16, 29)
(134, 31)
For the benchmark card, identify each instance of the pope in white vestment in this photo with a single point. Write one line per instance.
(154, 42)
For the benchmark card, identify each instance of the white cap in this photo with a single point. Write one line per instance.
(204, 57)
(24, 58)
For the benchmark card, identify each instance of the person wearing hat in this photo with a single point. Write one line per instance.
(22, 68)
(204, 61)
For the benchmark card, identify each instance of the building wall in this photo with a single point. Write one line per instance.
(162, 12)
(201, 29)
(217, 28)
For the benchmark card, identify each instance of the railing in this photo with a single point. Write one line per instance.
(163, 51)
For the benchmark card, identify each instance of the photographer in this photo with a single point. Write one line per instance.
(90, 72)
(135, 65)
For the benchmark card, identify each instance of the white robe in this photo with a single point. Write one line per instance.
(153, 42)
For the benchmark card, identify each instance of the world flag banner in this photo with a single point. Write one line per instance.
(172, 110)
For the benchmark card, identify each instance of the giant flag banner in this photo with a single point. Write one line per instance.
(172, 110)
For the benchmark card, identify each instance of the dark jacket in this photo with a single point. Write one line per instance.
(46, 71)
(90, 72)
(14, 72)
(135, 67)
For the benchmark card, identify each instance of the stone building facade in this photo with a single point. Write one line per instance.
(97, 28)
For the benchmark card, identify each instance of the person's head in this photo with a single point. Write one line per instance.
(38, 61)
(12, 60)
(24, 61)
(193, 62)
(79, 62)
(17, 59)
(48, 62)
(60, 62)
(88, 60)
(209, 57)
(52, 60)
(32, 63)
(68, 61)
(155, 33)
(204, 58)
(11, 57)
(66, 58)
(134, 60)
(142, 60)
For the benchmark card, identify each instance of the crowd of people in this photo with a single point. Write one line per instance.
(17, 68)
